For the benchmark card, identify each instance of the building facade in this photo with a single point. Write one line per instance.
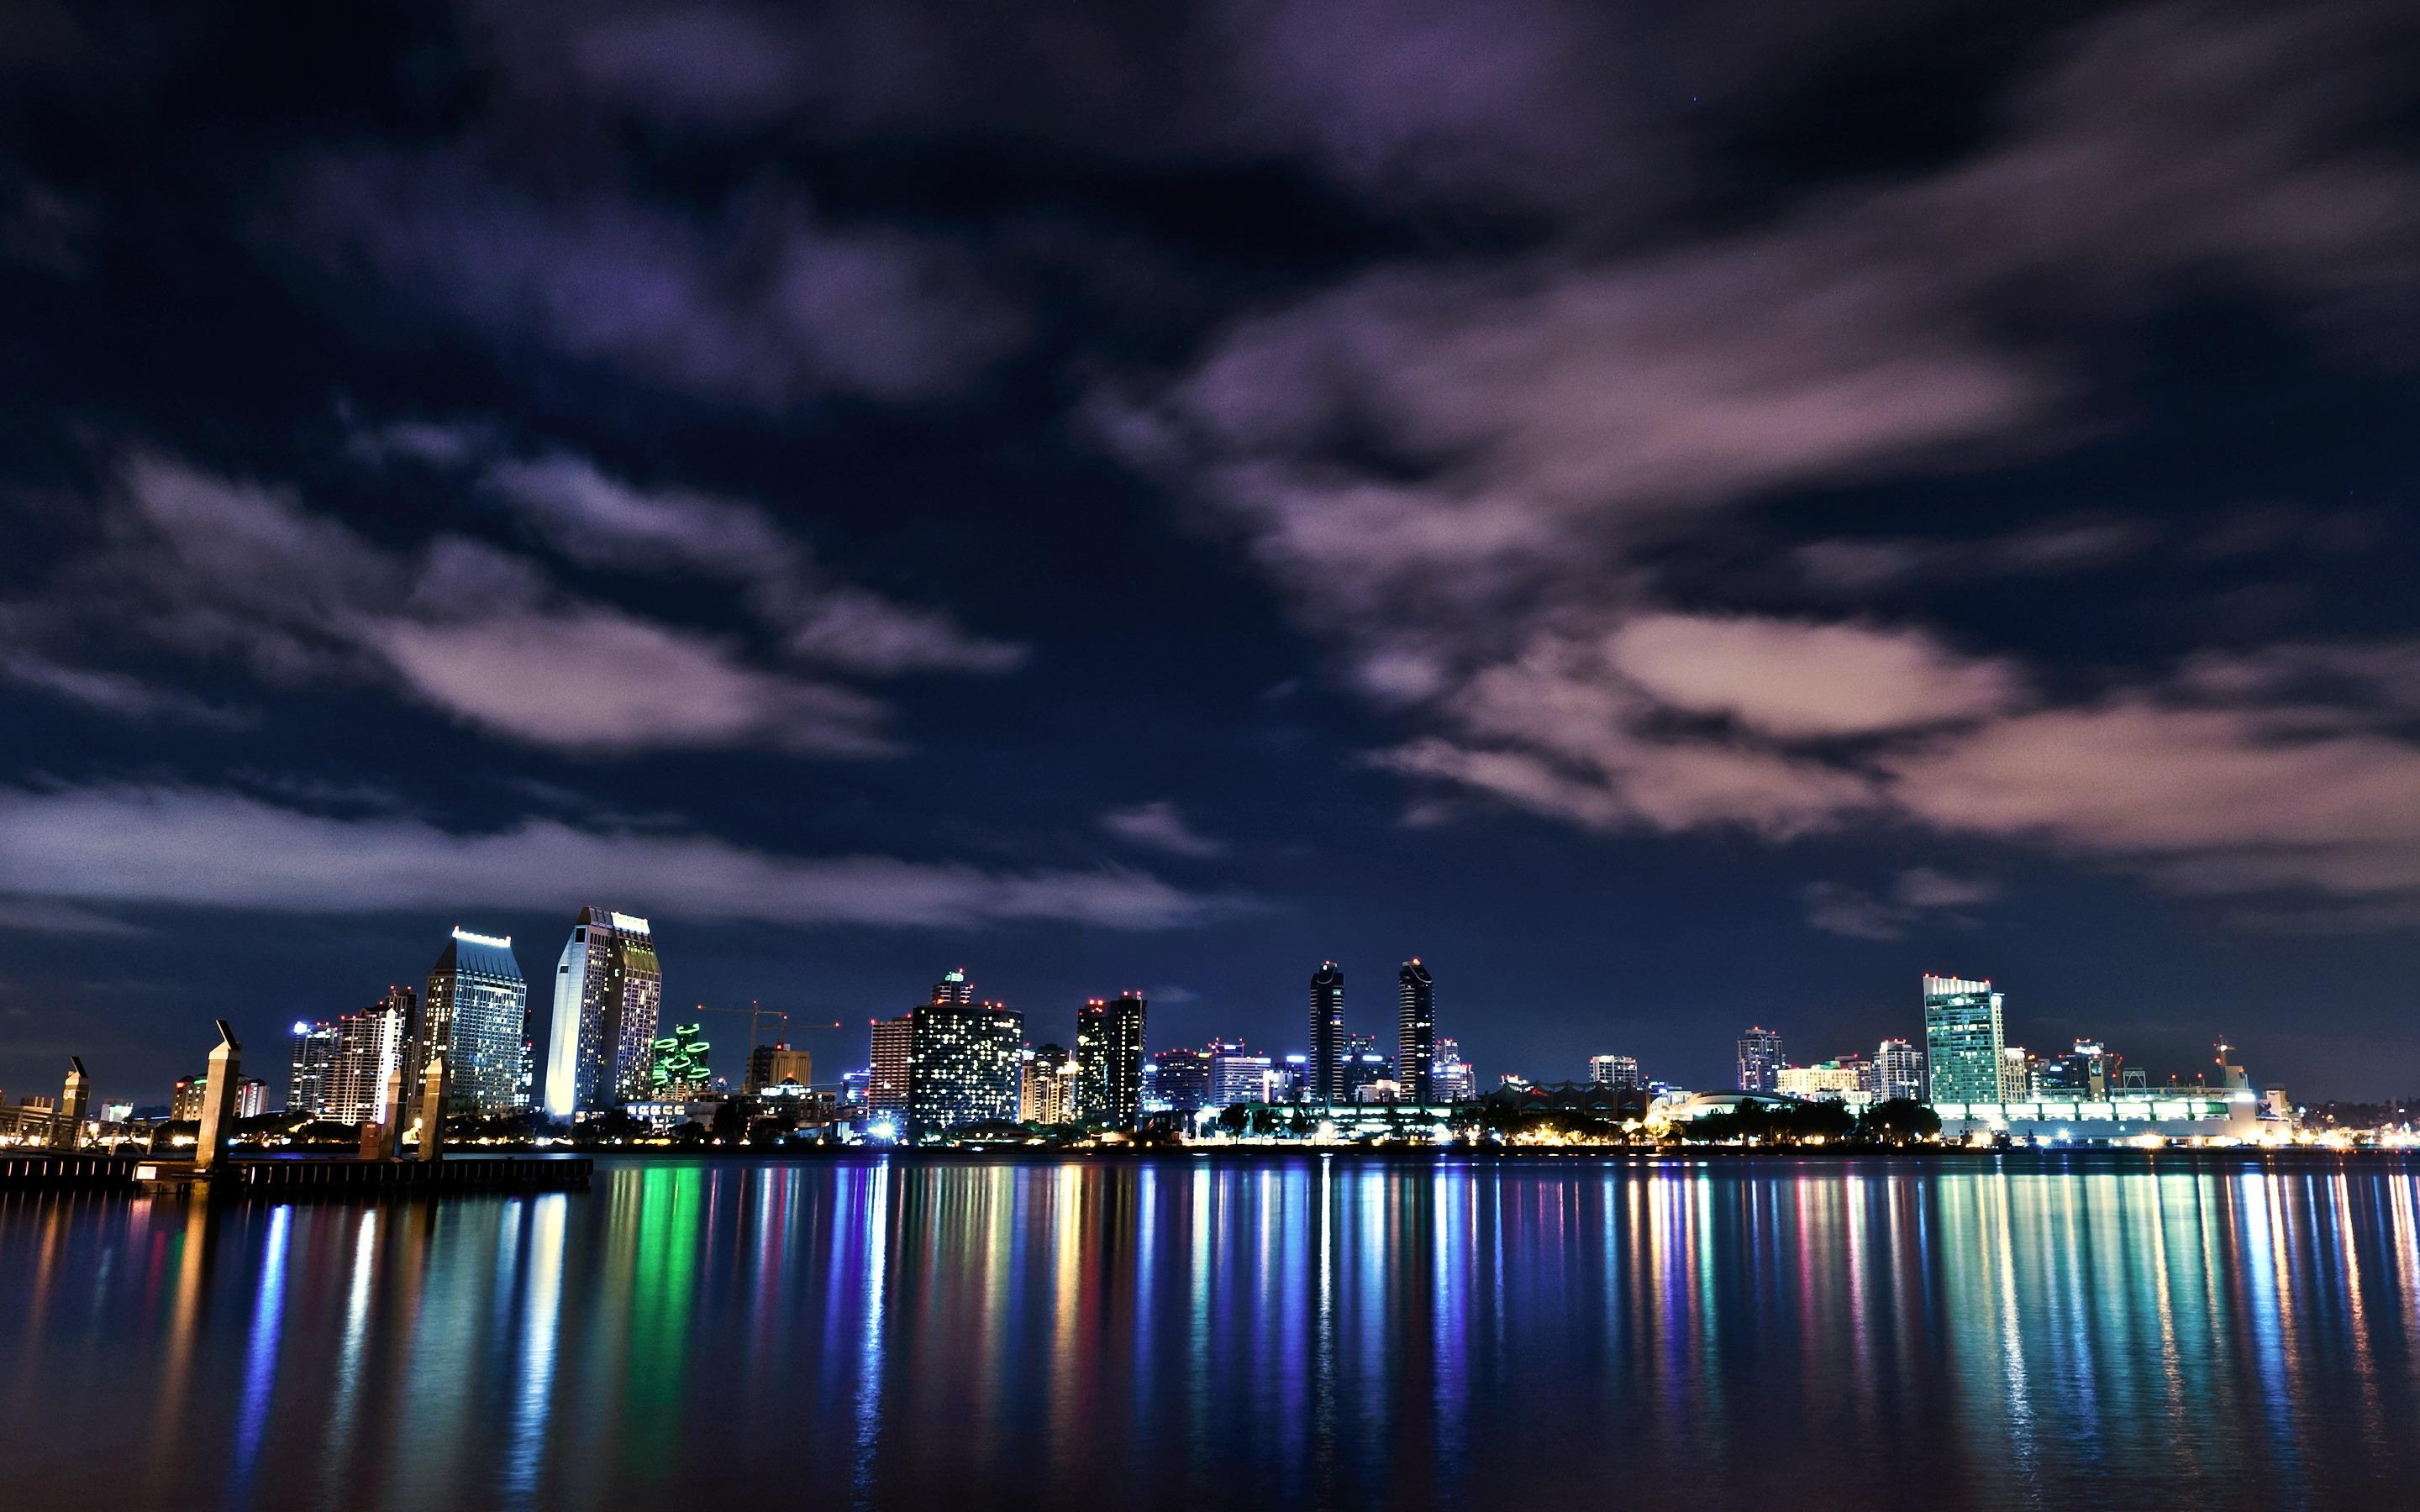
(1898, 1071)
(1416, 1033)
(1184, 1080)
(886, 1086)
(1109, 1051)
(1324, 1073)
(608, 988)
(772, 1065)
(1047, 1093)
(1237, 1076)
(1829, 1081)
(1455, 1080)
(964, 1061)
(310, 1086)
(1760, 1059)
(1615, 1070)
(369, 1045)
(476, 1014)
(1965, 1042)
(954, 988)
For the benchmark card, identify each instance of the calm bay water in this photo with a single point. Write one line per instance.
(1294, 1331)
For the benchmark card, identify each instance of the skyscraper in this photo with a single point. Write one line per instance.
(1455, 1081)
(953, 987)
(1899, 1070)
(1760, 1060)
(1184, 1080)
(886, 1088)
(608, 988)
(1325, 1076)
(1047, 1092)
(1416, 1033)
(1964, 1044)
(1615, 1070)
(770, 1065)
(370, 1044)
(1109, 1051)
(476, 1014)
(311, 1085)
(1236, 1075)
(964, 1061)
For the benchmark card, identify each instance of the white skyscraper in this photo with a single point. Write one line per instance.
(608, 988)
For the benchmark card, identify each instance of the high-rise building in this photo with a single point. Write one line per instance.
(310, 1088)
(1898, 1071)
(1760, 1060)
(1047, 1093)
(1963, 1041)
(2089, 1072)
(1323, 1075)
(953, 987)
(1108, 1048)
(1615, 1070)
(1455, 1081)
(477, 1013)
(1236, 1075)
(608, 987)
(185, 1097)
(770, 1065)
(1184, 1080)
(964, 1061)
(251, 1096)
(1416, 1033)
(886, 1089)
(1364, 1067)
(1826, 1082)
(370, 1044)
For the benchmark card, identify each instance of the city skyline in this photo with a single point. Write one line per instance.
(1676, 522)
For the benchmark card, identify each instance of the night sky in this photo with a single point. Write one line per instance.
(1679, 515)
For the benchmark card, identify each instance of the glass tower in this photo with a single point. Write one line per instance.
(1109, 1055)
(1416, 1034)
(1760, 1060)
(1899, 1070)
(477, 1015)
(608, 988)
(1963, 1041)
(1325, 1076)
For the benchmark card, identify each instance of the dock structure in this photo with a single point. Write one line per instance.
(302, 1177)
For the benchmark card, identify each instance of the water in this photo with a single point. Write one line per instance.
(1290, 1332)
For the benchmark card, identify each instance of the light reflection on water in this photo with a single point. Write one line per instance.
(1297, 1331)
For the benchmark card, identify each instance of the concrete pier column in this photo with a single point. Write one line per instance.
(219, 1102)
(67, 1130)
(433, 1083)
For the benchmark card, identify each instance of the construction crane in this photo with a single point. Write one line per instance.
(756, 1016)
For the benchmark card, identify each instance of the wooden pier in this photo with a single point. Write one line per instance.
(289, 1179)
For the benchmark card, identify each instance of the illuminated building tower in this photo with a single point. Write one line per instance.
(2089, 1072)
(1760, 1060)
(953, 987)
(310, 1087)
(1416, 1033)
(1615, 1070)
(370, 1044)
(1108, 1050)
(1236, 1076)
(772, 1065)
(1364, 1067)
(1047, 1093)
(185, 1097)
(886, 1089)
(1184, 1080)
(1963, 1042)
(963, 1065)
(608, 988)
(1898, 1071)
(1455, 1081)
(476, 1014)
(251, 1096)
(1325, 1073)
